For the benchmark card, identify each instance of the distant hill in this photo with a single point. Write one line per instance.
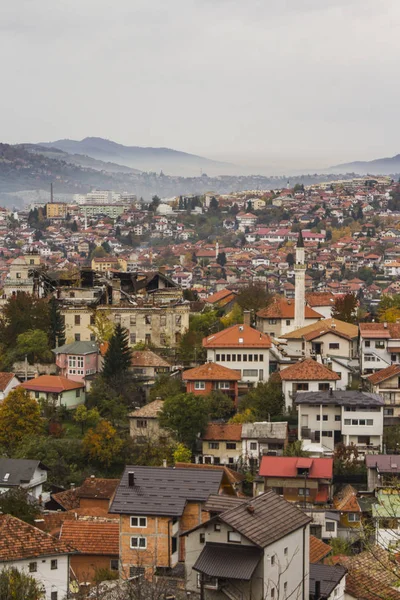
(171, 162)
(379, 166)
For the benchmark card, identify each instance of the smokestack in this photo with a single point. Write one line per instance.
(246, 317)
(164, 463)
(131, 479)
(51, 192)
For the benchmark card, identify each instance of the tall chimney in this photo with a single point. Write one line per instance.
(246, 317)
(131, 479)
(51, 192)
(164, 463)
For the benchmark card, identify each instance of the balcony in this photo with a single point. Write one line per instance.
(17, 282)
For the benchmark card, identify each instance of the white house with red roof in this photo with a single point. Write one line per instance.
(57, 390)
(8, 381)
(242, 349)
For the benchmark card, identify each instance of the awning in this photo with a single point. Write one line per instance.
(226, 561)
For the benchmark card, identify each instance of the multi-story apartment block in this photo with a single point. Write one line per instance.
(386, 383)
(348, 417)
(56, 210)
(379, 346)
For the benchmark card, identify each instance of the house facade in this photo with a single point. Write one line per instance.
(56, 390)
(21, 472)
(386, 383)
(144, 425)
(221, 444)
(211, 377)
(379, 346)
(279, 317)
(8, 381)
(306, 376)
(263, 438)
(77, 360)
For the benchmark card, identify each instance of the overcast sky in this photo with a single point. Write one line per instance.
(277, 82)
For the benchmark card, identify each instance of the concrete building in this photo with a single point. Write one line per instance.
(56, 210)
(386, 383)
(379, 346)
(305, 376)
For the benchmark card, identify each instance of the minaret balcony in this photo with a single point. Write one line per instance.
(299, 266)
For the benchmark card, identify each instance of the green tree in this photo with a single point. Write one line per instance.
(15, 502)
(22, 313)
(221, 259)
(166, 386)
(110, 402)
(253, 297)
(102, 444)
(98, 252)
(290, 259)
(57, 325)
(118, 357)
(219, 405)
(295, 449)
(18, 585)
(186, 415)
(214, 205)
(388, 302)
(33, 343)
(182, 454)
(234, 317)
(86, 417)
(103, 327)
(19, 418)
(345, 308)
(265, 401)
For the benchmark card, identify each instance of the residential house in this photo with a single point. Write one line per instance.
(245, 220)
(221, 444)
(21, 472)
(386, 518)
(305, 376)
(8, 381)
(242, 349)
(147, 366)
(348, 417)
(258, 549)
(379, 346)
(156, 505)
(56, 390)
(211, 377)
(386, 383)
(77, 360)
(327, 582)
(144, 426)
(224, 299)
(278, 318)
(345, 501)
(324, 526)
(383, 470)
(318, 549)
(262, 438)
(97, 545)
(38, 554)
(92, 498)
(307, 480)
(322, 302)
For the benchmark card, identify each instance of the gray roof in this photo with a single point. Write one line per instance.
(228, 561)
(163, 491)
(20, 471)
(328, 575)
(340, 398)
(265, 519)
(265, 430)
(385, 463)
(218, 503)
(77, 348)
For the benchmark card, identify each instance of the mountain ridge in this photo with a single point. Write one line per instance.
(380, 166)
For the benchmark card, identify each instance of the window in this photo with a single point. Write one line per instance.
(324, 417)
(217, 357)
(54, 564)
(163, 320)
(54, 596)
(261, 357)
(114, 564)
(250, 358)
(233, 357)
(77, 337)
(232, 445)
(250, 372)
(202, 538)
(367, 343)
(272, 592)
(228, 358)
(278, 490)
(347, 422)
(213, 445)
(334, 346)
(285, 587)
(272, 321)
(199, 385)
(327, 434)
(337, 417)
(323, 387)
(304, 492)
(338, 373)
(330, 526)
(224, 385)
(138, 521)
(379, 344)
(147, 320)
(230, 460)
(217, 527)
(117, 319)
(370, 422)
(353, 517)
(273, 559)
(32, 567)
(388, 412)
(139, 543)
(78, 393)
(210, 583)
(239, 358)
(178, 320)
(132, 337)
(37, 395)
(77, 319)
(288, 322)
(235, 537)
(301, 387)
(363, 439)
(253, 445)
(393, 357)
(285, 551)
(136, 571)
(141, 423)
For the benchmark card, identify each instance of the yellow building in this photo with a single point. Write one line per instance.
(56, 210)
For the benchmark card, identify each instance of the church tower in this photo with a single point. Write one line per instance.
(300, 284)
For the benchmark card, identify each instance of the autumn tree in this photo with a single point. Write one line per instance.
(103, 327)
(389, 308)
(118, 357)
(19, 418)
(102, 444)
(245, 416)
(18, 585)
(234, 317)
(86, 417)
(186, 415)
(345, 308)
(182, 453)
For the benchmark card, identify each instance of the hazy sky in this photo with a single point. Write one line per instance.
(292, 82)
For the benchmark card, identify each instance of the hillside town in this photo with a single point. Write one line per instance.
(200, 395)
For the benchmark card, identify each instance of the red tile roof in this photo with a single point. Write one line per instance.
(320, 299)
(52, 384)
(68, 499)
(378, 330)
(221, 297)
(223, 432)
(346, 500)
(318, 549)
(308, 370)
(92, 537)
(95, 487)
(5, 379)
(211, 372)
(147, 358)
(384, 374)
(281, 308)
(286, 466)
(19, 541)
(230, 338)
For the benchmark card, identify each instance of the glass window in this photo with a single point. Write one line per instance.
(138, 521)
(253, 445)
(330, 526)
(231, 445)
(139, 543)
(334, 346)
(347, 421)
(213, 445)
(250, 372)
(235, 537)
(261, 357)
(202, 538)
(353, 517)
(114, 564)
(54, 596)
(370, 422)
(32, 567)
(218, 357)
(54, 564)
(77, 319)
(199, 385)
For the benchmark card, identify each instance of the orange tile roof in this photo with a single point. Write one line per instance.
(52, 383)
(281, 308)
(378, 330)
(340, 328)
(211, 372)
(346, 500)
(229, 338)
(320, 299)
(308, 370)
(223, 431)
(19, 541)
(67, 499)
(92, 537)
(318, 549)
(384, 374)
(224, 296)
(5, 379)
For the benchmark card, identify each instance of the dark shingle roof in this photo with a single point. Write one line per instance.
(19, 470)
(340, 398)
(218, 503)
(163, 491)
(227, 561)
(265, 519)
(96, 487)
(328, 575)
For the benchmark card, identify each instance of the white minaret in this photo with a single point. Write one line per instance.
(216, 250)
(300, 284)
